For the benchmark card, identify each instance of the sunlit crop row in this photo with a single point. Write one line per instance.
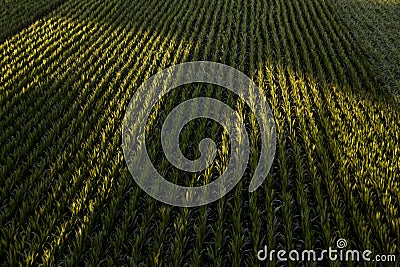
(67, 196)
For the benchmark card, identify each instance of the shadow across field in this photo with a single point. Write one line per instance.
(330, 112)
(375, 24)
(16, 15)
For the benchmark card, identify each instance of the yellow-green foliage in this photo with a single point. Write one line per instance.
(66, 194)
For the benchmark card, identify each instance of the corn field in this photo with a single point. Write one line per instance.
(68, 71)
(379, 21)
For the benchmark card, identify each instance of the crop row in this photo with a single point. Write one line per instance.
(66, 194)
